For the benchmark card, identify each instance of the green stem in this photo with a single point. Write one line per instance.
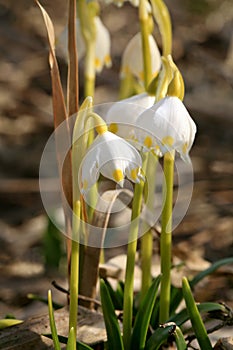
(162, 16)
(145, 32)
(52, 323)
(131, 252)
(86, 13)
(166, 237)
(146, 257)
(89, 75)
(126, 86)
(195, 318)
(74, 274)
(147, 238)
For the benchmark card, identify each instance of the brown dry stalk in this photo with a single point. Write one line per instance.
(60, 116)
(72, 83)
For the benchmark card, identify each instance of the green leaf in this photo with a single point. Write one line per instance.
(143, 317)
(195, 318)
(82, 346)
(52, 323)
(36, 297)
(116, 295)
(155, 315)
(179, 339)
(7, 322)
(176, 298)
(111, 323)
(159, 336)
(71, 344)
(176, 293)
(210, 270)
(183, 316)
(64, 340)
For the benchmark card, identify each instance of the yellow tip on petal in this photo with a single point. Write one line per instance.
(113, 127)
(118, 175)
(125, 70)
(134, 174)
(185, 147)
(84, 184)
(101, 129)
(148, 142)
(168, 141)
(97, 63)
(108, 61)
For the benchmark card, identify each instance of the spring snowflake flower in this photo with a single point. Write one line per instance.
(166, 126)
(112, 157)
(132, 60)
(122, 115)
(103, 44)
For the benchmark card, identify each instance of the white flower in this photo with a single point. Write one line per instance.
(122, 115)
(112, 157)
(132, 60)
(166, 126)
(103, 43)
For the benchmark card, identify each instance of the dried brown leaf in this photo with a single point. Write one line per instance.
(63, 139)
(72, 84)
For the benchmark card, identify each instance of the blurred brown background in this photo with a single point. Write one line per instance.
(203, 50)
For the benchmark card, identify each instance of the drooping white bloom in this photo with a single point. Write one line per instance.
(166, 126)
(132, 60)
(112, 157)
(122, 115)
(103, 44)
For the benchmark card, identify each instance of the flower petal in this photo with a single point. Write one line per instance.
(132, 60)
(111, 156)
(168, 125)
(103, 44)
(102, 47)
(122, 115)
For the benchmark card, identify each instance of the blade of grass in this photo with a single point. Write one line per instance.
(176, 293)
(195, 318)
(183, 316)
(210, 270)
(52, 322)
(112, 326)
(159, 337)
(179, 339)
(116, 295)
(71, 343)
(7, 322)
(143, 316)
(32, 296)
(64, 340)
